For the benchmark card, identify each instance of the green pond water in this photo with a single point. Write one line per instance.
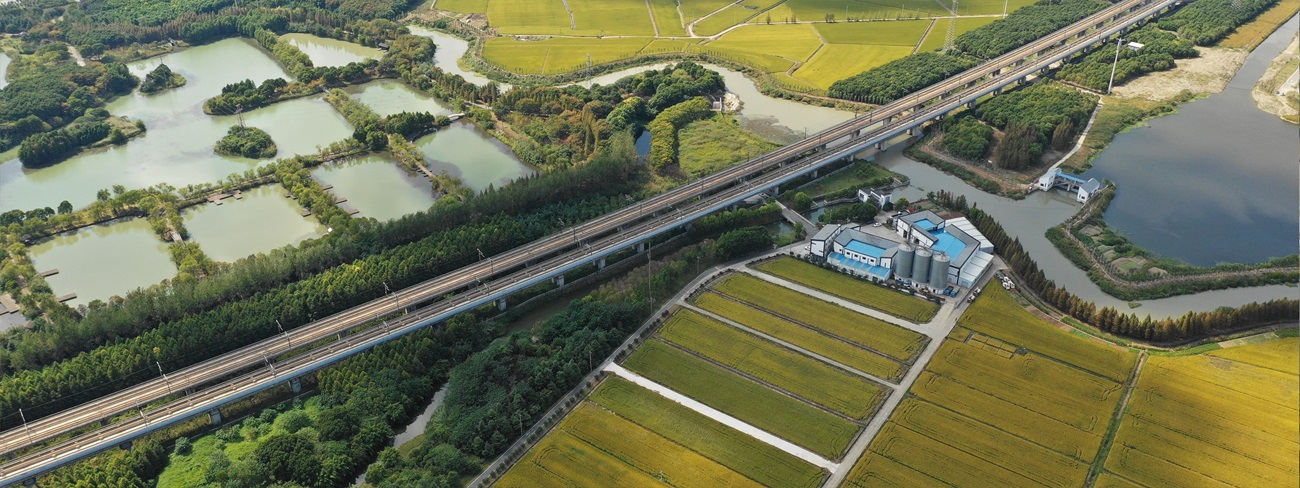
(264, 219)
(104, 260)
(377, 186)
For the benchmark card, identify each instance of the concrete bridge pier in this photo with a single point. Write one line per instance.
(501, 304)
(772, 191)
(295, 384)
(880, 146)
(640, 247)
(600, 263)
(214, 415)
(558, 280)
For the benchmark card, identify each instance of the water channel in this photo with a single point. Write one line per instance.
(450, 50)
(1215, 182)
(262, 220)
(324, 51)
(100, 261)
(377, 187)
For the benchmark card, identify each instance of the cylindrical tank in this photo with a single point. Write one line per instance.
(939, 272)
(903, 261)
(921, 264)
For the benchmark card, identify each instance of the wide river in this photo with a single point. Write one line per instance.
(1215, 182)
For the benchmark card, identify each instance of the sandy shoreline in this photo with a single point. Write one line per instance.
(1278, 83)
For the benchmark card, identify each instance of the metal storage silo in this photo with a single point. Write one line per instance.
(939, 272)
(921, 264)
(903, 261)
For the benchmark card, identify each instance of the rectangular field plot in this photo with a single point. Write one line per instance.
(890, 339)
(1209, 420)
(1278, 355)
(845, 353)
(900, 33)
(949, 464)
(558, 55)
(795, 42)
(866, 294)
(989, 444)
(1081, 400)
(843, 392)
(612, 17)
(529, 17)
(875, 470)
(594, 447)
(694, 9)
(835, 62)
(667, 18)
(809, 427)
(997, 314)
(731, 448)
(817, 10)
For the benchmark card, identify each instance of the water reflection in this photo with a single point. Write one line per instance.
(477, 159)
(1189, 189)
(388, 97)
(260, 221)
(324, 51)
(100, 261)
(377, 187)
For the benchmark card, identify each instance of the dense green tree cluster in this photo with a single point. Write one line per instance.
(663, 131)
(714, 225)
(246, 141)
(410, 55)
(573, 119)
(501, 391)
(1025, 25)
(742, 242)
(1160, 49)
(1188, 326)
(966, 137)
(119, 468)
(853, 212)
(245, 95)
(1034, 117)
(47, 91)
(46, 148)
(895, 79)
(161, 78)
(1206, 22)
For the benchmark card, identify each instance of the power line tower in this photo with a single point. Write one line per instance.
(952, 28)
(589, 83)
(239, 113)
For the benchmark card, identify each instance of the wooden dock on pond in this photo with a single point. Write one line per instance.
(64, 298)
(48, 273)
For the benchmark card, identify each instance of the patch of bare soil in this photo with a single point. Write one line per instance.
(1279, 83)
(1208, 73)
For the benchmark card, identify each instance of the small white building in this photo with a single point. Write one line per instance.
(877, 197)
(1054, 178)
(818, 246)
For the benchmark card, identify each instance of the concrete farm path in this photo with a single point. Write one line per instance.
(723, 418)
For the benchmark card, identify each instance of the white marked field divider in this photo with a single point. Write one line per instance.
(725, 419)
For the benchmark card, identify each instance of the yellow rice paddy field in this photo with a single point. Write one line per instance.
(1226, 418)
(866, 331)
(992, 411)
